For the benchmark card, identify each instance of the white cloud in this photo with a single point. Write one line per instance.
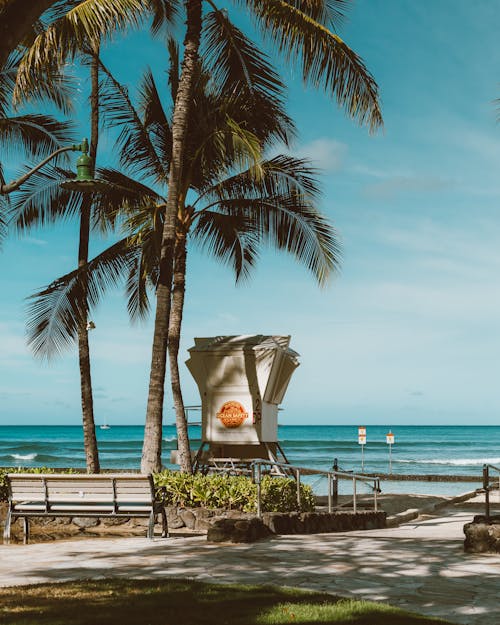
(397, 185)
(12, 343)
(34, 241)
(326, 154)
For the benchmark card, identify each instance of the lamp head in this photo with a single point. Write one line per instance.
(84, 180)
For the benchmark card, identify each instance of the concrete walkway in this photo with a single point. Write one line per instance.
(419, 566)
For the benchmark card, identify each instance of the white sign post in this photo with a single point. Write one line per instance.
(362, 442)
(390, 441)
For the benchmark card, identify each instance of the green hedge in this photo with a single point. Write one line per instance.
(212, 491)
(233, 492)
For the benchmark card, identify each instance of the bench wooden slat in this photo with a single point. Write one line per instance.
(74, 477)
(109, 494)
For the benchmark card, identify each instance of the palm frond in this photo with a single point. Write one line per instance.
(8, 75)
(139, 280)
(137, 151)
(85, 24)
(292, 224)
(123, 193)
(55, 86)
(154, 118)
(165, 14)
(229, 238)
(226, 147)
(38, 135)
(41, 200)
(280, 175)
(4, 209)
(55, 312)
(331, 13)
(326, 59)
(295, 226)
(234, 61)
(244, 77)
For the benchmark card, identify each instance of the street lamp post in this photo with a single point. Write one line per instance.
(84, 180)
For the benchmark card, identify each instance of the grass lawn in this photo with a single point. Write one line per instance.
(183, 602)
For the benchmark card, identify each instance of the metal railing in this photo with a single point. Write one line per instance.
(487, 488)
(278, 469)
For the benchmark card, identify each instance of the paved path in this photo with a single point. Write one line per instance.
(419, 566)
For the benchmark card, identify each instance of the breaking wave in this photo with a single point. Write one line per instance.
(23, 457)
(452, 461)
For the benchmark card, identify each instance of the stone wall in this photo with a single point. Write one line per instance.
(220, 525)
(322, 522)
(482, 536)
(251, 528)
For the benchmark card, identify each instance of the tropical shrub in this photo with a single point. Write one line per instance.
(233, 492)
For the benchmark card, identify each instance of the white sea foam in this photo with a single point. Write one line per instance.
(169, 439)
(25, 457)
(453, 461)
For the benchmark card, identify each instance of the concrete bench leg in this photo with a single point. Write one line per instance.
(26, 529)
(151, 526)
(164, 524)
(6, 531)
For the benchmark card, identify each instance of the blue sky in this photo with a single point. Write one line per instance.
(409, 332)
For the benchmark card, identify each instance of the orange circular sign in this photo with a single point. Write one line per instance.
(232, 414)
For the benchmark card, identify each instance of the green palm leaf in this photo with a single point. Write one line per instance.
(154, 118)
(292, 224)
(326, 60)
(137, 151)
(230, 238)
(136, 289)
(281, 175)
(38, 135)
(234, 61)
(4, 209)
(55, 312)
(86, 24)
(42, 200)
(242, 73)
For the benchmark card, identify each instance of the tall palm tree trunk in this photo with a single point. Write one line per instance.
(89, 435)
(174, 335)
(151, 451)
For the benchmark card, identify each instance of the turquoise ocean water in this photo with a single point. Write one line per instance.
(445, 450)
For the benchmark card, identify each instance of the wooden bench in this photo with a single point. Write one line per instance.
(104, 495)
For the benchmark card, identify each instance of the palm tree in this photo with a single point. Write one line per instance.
(235, 209)
(89, 434)
(37, 211)
(303, 31)
(300, 31)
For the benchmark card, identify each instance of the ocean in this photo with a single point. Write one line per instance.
(442, 450)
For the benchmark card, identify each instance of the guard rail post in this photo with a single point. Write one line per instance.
(486, 487)
(354, 495)
(257, 480)
(335, 483)
(330, 493)
(297, 473)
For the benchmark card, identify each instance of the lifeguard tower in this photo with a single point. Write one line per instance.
(242, 380)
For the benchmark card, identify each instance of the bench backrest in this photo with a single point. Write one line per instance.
(107, 488)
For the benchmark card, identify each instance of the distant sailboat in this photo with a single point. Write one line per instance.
(105, 425)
